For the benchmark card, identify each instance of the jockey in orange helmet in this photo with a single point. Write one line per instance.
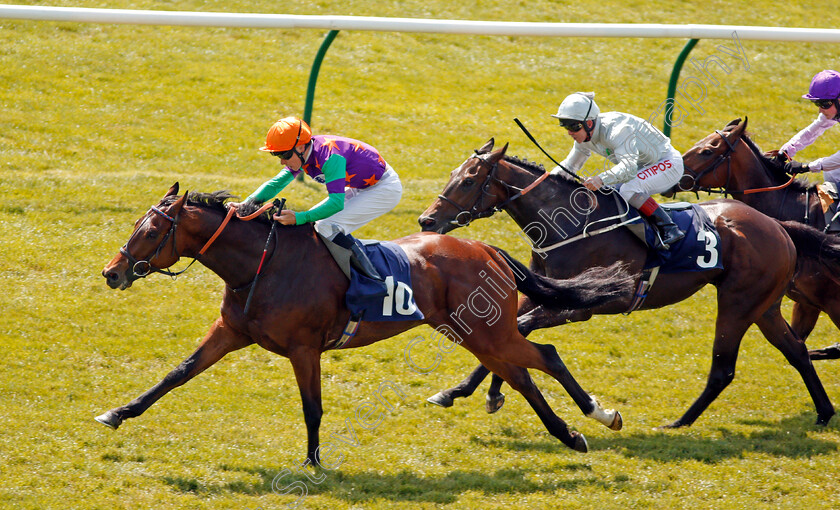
(361, 186)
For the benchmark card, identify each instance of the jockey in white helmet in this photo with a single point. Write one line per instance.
(644, 160)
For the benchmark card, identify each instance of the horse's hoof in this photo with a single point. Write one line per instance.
(823, 420)
(580, 443)
(111, 419)
(493, 404)
(441, 400)
(674, 425)
(830, 352)
(617, 422)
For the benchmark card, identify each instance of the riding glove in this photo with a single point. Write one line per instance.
(795, 167)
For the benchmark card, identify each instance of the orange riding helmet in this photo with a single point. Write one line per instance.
(286, 134)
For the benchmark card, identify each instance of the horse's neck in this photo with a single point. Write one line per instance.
(554, 211)
(785, 204)
(236, 254)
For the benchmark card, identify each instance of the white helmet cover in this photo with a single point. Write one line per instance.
(578, 106)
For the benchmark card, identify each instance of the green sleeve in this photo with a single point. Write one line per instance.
(272, 187)
(335, 175)
(333, 204)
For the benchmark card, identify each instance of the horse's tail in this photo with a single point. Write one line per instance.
(815, 246)
(593, 287)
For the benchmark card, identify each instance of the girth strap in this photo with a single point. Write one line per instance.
(645, 284)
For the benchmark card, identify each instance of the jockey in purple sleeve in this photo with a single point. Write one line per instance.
(824, 92)
(361, 186)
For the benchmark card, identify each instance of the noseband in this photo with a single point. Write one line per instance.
(145, 266)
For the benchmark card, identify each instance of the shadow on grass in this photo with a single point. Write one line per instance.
(404, 485)
(787, 438)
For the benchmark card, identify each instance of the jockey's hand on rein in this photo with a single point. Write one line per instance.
(780, 158)
(795, 167)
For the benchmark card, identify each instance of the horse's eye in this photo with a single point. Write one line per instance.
(468, 182)
(152, 234)
(707, 152)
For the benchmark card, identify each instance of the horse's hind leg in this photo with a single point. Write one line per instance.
(523, 353)
(465, 388)
(536, 317)
(519, 379)
(219, 341)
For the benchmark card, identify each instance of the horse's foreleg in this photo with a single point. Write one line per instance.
(495, 398)
(465, 388)
(519, 379)
(803, 319)
(777, 331)
(307, 366)
(832, 309)
(219, 341)
(728, 334)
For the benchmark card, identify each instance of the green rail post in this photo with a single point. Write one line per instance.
(313, 75)
(672, 85)
(313, 79)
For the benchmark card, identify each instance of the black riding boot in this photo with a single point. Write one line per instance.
(359, 258)
(669, 232)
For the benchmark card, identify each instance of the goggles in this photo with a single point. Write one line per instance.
(824, 104)
(571, 125)
(284, 154)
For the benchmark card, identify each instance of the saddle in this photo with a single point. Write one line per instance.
(829, 198)
(365, 297)
(698, 251)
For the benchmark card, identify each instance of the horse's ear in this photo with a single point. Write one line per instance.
(746, 119)
(738, 131)
(504, 149)
(172, 191)
(176, 207)
(734, 122)
(487, 147)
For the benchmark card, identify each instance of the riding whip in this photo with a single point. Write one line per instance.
(279, 205)
(530, 137)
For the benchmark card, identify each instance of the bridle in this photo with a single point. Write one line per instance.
(725, 157)
(466, 216)
(143, 268)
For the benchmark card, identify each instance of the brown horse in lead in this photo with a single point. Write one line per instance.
(298, 308)
(561, 220)
(729, 162)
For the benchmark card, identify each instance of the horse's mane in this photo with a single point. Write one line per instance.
(537, 169)
(775, 168)
(216, 201)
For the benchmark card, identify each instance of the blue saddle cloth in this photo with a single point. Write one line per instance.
(699, 250)
(365, 295)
